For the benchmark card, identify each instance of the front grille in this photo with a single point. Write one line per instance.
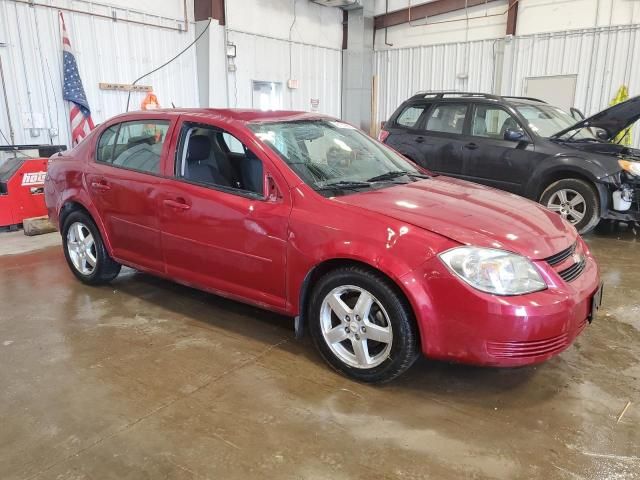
(561, 256)
(573, 271)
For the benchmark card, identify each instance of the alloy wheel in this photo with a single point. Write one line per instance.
(356, 327)
(81, 247)
(570, 204)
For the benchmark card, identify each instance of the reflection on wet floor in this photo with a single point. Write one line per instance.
(148, 379)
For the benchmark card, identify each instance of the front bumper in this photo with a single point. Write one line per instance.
(460, 323)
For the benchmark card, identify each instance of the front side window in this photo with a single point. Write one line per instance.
(410, 116)
(492, 122)
(134, 145)
(447, 118)
(212, 157)
(333, 156)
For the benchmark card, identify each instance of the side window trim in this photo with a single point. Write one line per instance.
(181, 151)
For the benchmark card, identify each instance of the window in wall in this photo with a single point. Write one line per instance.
(447, 118)
(492, 122)
(212, 157)
(134, 145)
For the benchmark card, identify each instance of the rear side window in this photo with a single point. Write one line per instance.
(410, 116)
(447, 118)
(134, 145)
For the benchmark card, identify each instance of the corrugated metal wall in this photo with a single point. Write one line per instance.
(602, 58)
(106, 51)
(318, 70)
(465, 66)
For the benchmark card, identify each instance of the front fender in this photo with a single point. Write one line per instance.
(552, 166)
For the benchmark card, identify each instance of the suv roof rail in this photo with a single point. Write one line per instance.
(524, 98)
(448, 93)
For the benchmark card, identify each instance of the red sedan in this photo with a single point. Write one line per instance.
(307, 216)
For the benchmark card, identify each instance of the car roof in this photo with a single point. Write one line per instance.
(237, 114)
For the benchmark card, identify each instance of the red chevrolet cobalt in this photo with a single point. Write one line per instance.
(307, 216)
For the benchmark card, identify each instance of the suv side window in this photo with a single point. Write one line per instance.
(447, 118)
(491, 122)
(212, 157)
(410, 116)
(134, 145)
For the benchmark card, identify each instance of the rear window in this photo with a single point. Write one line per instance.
(410, 116)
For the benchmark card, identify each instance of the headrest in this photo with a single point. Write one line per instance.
(199, 148)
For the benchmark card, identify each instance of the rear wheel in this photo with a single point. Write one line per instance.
(85, 251)
(575, 200)
(362, 327)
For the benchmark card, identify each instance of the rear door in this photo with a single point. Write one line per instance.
(223, 226)
(124, 181)
(489, 158)
(443, 138)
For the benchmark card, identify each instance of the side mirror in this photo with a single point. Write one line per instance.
(602, 134)
(514, 135)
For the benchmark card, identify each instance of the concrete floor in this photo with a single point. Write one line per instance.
(147, 380)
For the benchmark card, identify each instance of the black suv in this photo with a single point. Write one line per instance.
(528, 147)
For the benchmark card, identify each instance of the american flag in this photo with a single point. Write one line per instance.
(73, 92)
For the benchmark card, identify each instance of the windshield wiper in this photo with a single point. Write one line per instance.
(395, 174)
(344, 185)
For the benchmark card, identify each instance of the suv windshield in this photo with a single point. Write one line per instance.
(334, 156)
(547, 120)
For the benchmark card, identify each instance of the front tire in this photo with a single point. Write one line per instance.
(575, 200)
(362, 326)
(85, 252)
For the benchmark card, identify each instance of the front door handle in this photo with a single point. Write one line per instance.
(419, 139)
(471, 146)
(178, 204)
(101, 186)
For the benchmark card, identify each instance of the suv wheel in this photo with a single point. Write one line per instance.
(85, 252)
(361, 326)
(576, 201)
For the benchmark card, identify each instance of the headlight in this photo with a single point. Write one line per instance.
(494, 271)
(630, 166)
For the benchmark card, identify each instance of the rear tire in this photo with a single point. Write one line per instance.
(85, 252)
(368, 333)
(575, 200)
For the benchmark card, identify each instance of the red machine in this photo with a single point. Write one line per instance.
(22, 185)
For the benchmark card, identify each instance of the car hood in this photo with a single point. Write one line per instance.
(613, 119)
(472, 215)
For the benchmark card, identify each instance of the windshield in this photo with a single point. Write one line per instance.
(331, 155)
(547, 120)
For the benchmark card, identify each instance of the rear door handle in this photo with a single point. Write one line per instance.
(178, 204)
(471, 146)
(419, 139)
(101, 186)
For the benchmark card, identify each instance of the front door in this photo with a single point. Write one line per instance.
(489, 158)
(124, 182)
(220, 229)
